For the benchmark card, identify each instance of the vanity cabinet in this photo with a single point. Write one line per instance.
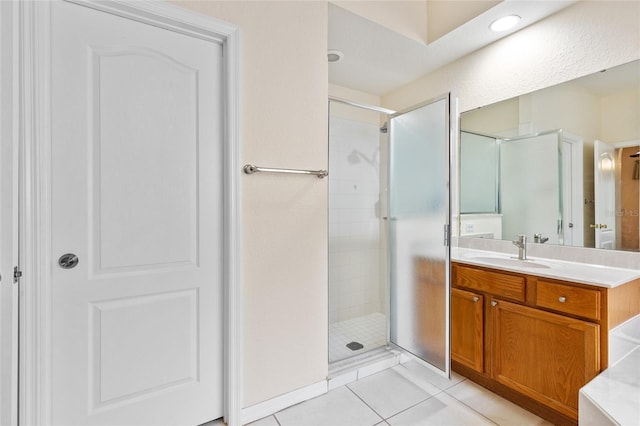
(535, 341)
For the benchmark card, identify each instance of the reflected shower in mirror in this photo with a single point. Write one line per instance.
(559, 165)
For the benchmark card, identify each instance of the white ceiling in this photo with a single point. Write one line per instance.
(378, 60)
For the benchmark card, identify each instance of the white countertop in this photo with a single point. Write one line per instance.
(613, 397)
(601, 276)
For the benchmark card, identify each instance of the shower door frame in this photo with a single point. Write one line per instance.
(452, 148)
(451, 202)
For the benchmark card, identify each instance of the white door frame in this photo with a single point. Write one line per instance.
(8, 217)
(576, 187)
(32, 19)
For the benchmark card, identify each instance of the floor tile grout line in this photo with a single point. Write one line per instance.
(414, 405)
(276, 419)
(365, 403)
(472, 409)
(489, 391)
(408, 408)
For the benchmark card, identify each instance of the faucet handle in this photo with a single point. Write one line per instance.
(538, 238)
(522, 239)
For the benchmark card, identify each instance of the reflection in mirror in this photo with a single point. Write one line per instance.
(560, 165)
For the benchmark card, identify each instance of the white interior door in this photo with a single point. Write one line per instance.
(136, 192)
(8, 222)
(605, 195)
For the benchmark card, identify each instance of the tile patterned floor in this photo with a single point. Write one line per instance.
(369, 330)
(406, 395)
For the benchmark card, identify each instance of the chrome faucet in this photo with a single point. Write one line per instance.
(521, 243)
(538, 238)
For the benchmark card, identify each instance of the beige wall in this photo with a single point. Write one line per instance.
(349, 112)
(444, 16)
(500, 119)
(621, 116)
(408, 18)
(284, 124)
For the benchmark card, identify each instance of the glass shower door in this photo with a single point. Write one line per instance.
(419, 214)
(531, 186)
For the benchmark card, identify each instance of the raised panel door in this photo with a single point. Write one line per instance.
(545, 356)
(467, 327)
(136, 192)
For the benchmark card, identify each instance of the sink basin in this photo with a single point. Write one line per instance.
(517, 263)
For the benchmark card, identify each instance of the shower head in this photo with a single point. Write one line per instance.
(354, 157)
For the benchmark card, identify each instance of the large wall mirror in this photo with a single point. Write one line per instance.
(560, 165)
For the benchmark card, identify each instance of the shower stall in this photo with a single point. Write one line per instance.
(388, 230)
(357, 243)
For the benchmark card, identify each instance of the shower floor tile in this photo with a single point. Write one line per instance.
(369, 330)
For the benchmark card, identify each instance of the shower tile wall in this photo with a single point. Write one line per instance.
(354, 220)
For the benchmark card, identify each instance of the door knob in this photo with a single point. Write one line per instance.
(68, 261)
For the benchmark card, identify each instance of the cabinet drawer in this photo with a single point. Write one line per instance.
(569, 299)
(503, 285)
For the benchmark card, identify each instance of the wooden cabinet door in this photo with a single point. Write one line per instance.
(467, 327)
(545, 356)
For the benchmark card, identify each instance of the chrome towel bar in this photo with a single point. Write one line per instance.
(251, 169)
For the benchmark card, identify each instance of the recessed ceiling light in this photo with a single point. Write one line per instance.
(504, 23)
(334, 55)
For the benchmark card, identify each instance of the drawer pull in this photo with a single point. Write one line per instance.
(562, 299)
(494, 303)
(475, 299)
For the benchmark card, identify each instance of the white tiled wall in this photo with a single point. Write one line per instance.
(354, 219)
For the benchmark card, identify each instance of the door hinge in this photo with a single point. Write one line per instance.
(446, 234)
(17, 274)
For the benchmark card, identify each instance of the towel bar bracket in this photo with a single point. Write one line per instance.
(251, 169)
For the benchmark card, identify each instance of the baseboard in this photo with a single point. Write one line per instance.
(273, 405)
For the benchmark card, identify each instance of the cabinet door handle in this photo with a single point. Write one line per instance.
(562, 299)
(494, 303)
(475, 299)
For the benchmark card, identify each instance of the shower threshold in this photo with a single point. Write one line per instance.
(359, 366)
